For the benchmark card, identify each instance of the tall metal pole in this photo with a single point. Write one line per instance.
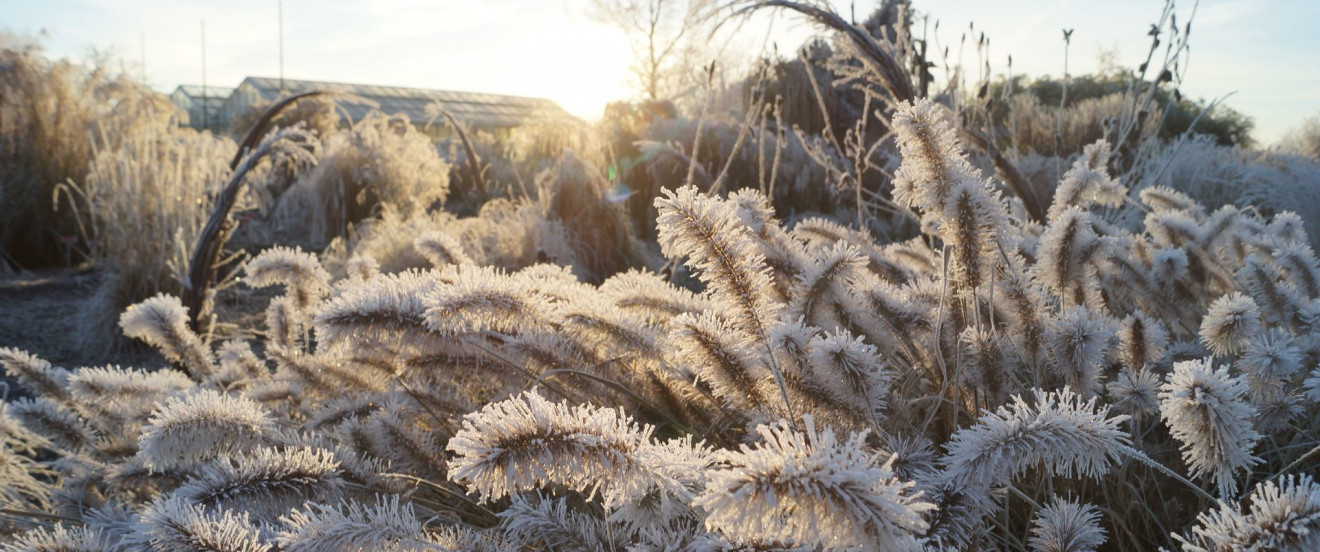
(281, 45)
(206, 113)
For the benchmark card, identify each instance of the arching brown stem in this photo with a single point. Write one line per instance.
(207, 251)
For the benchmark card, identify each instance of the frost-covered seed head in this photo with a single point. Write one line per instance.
(650, 296)
(723, 356)
(52, 420)
(1088, 182)
(1284, 515)
(185, 430)
(810, 489)
(1066, 526)
(1168, 265)
(382, 308)
(1135, 392)
(441, 249)
(301, 273)
(34, 373)
(527, 442)
(480, 299)
(1141, 341)
(266, 482)
(1207, 412)
(1078, 341)
(1231, 323)
(57, 539)
(1163, 198)
(933, 160)
(163, 322)
(174, 525)
(722, 251)
(850, 369)
(388, 525)
(1061, 433)
(1271, 356)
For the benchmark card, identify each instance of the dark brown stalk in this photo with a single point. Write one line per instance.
(473, 162)
(207, 251)
(896, 79)
(1009, 172)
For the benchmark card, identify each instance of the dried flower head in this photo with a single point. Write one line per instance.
(441, 249)
(1079, 339)
(527, 442)
(850, 369)
(175, 525)
(1135, 392)
(388, 525)
(1271, 356)
(723, 252)
(35, 374)
(1141, 340)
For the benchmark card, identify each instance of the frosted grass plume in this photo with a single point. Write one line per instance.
(1141, 340)
(482, 299)
(60, 425)
(1079, 339)
(162, 322)
(387, 525)
(1088, 182)
(933, 161)
(1230, 324)
(721, 355)
(174, 525)
(266, 482)
(851, 370)
(811, 489)
(1066, 525)
(381, 308)
(720, 247)
(1207, 412)
(650, 296)
(302, 275)
(1283, 515)
(527, 442)
(57, 538)
(35, 373)
(441, 249)
(198, 427)
(1060, 433)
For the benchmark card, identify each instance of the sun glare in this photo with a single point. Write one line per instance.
(580, 65)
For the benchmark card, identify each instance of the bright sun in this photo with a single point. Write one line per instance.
(580, 65)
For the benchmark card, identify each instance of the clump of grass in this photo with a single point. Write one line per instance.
(56, 117)
(141, 208)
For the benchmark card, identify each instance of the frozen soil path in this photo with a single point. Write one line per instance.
(39, 313)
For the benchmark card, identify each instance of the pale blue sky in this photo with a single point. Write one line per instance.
(1268, 51)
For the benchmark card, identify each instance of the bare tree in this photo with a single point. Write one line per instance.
(666, 37)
